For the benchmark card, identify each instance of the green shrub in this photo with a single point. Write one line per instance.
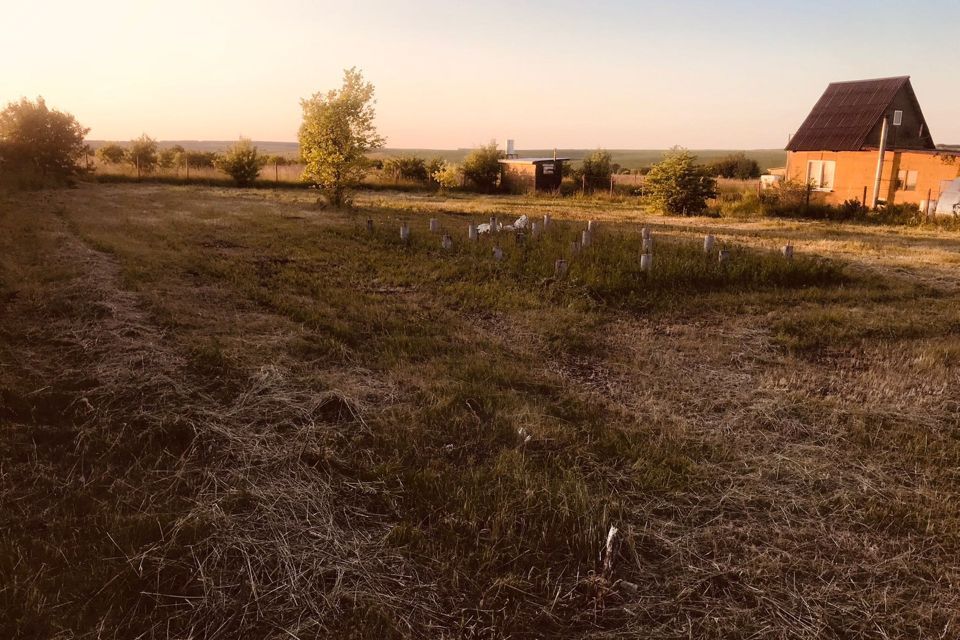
(407, 168)
(448, 176)
(482, 167)
(35, 139)
(735, 166)
(241, 162)
(111, 153)
(678, 185)
(595, 170)
(142, 154)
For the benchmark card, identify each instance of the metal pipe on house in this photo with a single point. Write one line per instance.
(883, 149)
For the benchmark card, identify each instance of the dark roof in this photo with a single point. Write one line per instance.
(846, 114)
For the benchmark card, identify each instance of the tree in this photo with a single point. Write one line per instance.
(407, 168)
(142, 154)
(37, 139)
(167, 158)
(336, 134)
(242, 162)
(434, 166)
(596, 168)
(448, 175)
(482, 167)
(111, 153)
(735, 166)
(678, 185)
(200, 159)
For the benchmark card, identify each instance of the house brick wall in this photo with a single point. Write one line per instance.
(857, 169)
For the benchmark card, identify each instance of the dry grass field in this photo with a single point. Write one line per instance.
(231, 414)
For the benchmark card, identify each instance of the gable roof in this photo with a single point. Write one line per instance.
(848, 112)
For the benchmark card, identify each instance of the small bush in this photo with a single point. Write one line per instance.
(595, 170)
(407, 168)
(678, 185)
(449, 175)
(142, 154)
(111, 154)
(482, 167)
(737, 166)
(241, 162)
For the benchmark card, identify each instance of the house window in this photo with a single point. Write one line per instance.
(820, 174)
(907, 181)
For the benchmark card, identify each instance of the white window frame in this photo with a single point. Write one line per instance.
(903, 180)
(816, 174)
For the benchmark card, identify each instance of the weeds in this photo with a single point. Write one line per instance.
(236, 415)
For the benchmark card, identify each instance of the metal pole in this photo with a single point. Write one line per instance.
(883, 148)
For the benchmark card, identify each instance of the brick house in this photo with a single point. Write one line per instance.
(867, 140)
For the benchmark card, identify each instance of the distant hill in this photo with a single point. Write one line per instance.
(628, 158)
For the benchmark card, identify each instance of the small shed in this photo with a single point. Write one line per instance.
(521, 175)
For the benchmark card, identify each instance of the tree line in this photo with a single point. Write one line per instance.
(336, 135)
(242, 161)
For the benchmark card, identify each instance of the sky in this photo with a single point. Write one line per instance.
(448, 74)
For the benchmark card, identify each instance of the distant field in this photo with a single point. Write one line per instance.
(629, 158)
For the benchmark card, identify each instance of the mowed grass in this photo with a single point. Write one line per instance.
(287, 425)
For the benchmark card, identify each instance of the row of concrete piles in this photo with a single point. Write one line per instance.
(586, 239)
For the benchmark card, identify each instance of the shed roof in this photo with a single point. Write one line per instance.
(529, 160)
(846, 114)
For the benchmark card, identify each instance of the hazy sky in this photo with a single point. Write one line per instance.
(448, 74)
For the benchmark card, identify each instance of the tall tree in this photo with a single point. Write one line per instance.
(336, 134)
(39, 139)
